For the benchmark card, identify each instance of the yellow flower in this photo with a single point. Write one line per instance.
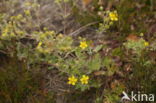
(83, 45)
(113, 16)
(84, 79)
(146, 43)
(27, 12)
(72, 80)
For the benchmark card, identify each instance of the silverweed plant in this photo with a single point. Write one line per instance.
(109, 17)
(51, 48)
(138, 45)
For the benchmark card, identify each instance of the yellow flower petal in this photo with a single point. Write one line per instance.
(146, 44)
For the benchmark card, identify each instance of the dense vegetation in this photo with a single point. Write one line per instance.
(76, 51)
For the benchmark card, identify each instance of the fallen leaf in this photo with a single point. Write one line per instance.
(132, 37)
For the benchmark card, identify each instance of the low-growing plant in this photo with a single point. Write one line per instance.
(85, 64)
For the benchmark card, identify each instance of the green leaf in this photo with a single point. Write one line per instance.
(107, 61)
(99, 47)
(95, 63)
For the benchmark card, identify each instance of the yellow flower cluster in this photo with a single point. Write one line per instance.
(52, 41)
(7, 31)
(17, 18)
(113, 16)
(73, 80)
(83, 45)
(46, 34)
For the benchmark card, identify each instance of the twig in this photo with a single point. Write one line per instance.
(75, 33)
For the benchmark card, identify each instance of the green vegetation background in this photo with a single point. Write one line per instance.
(115, 60)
